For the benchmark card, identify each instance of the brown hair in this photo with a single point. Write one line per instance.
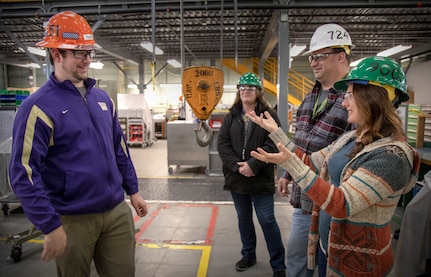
(342, 50)
(380, 118)
(51, 58)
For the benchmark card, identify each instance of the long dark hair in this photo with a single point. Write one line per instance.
(380, 118)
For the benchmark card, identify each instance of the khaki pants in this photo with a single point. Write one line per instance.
(108, 238)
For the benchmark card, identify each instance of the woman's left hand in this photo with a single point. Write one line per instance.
(265, 120)
(276, 158)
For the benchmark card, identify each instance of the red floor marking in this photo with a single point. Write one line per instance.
(147, 223)
(211, 225)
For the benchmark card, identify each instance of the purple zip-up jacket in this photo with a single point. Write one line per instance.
(69, 156)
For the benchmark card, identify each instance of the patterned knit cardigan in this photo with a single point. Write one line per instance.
(361, 207)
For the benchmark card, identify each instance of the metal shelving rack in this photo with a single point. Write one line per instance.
(135, 131)
(412, 123)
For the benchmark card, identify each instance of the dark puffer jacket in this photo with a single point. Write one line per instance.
(231, 146)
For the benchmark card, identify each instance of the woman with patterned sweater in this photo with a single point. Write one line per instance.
(355, 183)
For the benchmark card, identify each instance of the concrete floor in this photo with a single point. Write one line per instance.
(191, 228)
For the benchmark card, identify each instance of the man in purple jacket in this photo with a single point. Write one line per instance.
(70, 165)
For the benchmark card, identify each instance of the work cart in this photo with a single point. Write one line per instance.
(7, 197)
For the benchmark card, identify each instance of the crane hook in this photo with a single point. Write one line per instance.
(208, 134)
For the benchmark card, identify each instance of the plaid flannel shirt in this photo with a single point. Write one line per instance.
(315, 132)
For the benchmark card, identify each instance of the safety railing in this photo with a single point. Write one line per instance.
(299, 85)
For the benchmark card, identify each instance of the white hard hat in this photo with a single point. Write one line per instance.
(330, 35)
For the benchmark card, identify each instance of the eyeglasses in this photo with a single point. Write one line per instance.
(244, 88)
(81, 54)
(348, 96)
(320, 57)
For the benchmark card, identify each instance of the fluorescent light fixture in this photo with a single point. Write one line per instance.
(296, 50)
(391, 51)
(96, 65)
(174, 63)
(149, 47)
(355, 63)
(35, 51)
(32, 65)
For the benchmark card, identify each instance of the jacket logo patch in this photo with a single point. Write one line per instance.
(64, 111)
(103, 106)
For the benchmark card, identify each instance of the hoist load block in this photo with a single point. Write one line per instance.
(202, 89)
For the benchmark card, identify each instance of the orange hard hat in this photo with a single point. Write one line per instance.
(68, 30)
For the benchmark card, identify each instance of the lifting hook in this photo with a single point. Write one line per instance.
(203, 89)
(208, 134)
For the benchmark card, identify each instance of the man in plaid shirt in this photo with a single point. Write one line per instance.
(320, 120)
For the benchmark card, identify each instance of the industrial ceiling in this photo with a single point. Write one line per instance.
(218, 29)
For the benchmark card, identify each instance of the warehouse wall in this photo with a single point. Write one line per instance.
(167, 89)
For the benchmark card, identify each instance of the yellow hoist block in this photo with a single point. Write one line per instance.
(202, 89)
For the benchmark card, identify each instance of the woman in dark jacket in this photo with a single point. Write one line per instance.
(250, 181)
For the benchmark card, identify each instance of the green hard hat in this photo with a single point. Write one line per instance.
(249, 79)
(380, 71)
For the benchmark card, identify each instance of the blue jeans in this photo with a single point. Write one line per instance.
(321, 262)
(297, 243)
(264, 207)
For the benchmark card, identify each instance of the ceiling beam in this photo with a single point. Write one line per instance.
(20, 44)
(49, 8)
(115, 53)
(270, 39)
